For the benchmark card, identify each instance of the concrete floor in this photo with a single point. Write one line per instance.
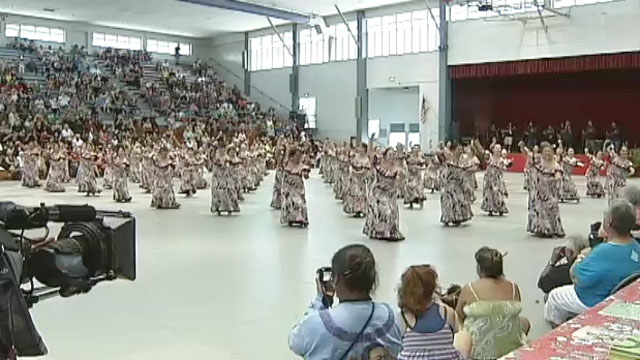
(231, 288)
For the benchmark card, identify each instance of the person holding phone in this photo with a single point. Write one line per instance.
(355, 328)
(556, 272)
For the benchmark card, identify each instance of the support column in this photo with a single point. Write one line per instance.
(362, 100)
(247, 73)
(294, 80)
(445, 126)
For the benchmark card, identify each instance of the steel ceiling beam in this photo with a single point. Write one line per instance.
(346, 23)
(544, 24)
(435, 22)
(275, 30)
(254, 9)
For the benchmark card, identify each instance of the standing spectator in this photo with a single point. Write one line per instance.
(177, 53)
(589, 136)
(550, 135)
(566, 134)
(66, 133)
(531, 135)
(615, 136)
(597, 274)
(508, 136)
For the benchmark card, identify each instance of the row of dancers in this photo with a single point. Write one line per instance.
(370, 181)
(235, 169)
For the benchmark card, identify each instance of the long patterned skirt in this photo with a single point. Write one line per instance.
(431, 178)
(136, 169)
(201, 182)
(223, 191)
(188, 181)
(146, 175)
(355, 202)
(294, 201)
(88, 184)
(569, 191)
(594, 186)
(120, 186)
(55, 178)
(455, 207)
(276, 197)
(30, 174)
(108, 177)
(544, 212)
(383, 218)
(493, 196)
(163, 196)
(413, 188)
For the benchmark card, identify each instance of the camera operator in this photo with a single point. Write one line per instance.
(356, 328)
(596, 275)
(556, 273)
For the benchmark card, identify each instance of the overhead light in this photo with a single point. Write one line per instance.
(49, 9)
(392, 79)
(318, 23)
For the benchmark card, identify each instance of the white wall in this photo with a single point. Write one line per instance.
(80, 33)
(393, 106)
(420, 70)
(590, 29)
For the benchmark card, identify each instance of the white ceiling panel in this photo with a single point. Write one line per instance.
(172, 16)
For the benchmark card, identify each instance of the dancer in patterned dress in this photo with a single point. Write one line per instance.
(120, 178)
(107, 179)
(596, 164)
(413, 184)
(544, 211)
(55, 178)
(147, 169)
(223, 187)
(237, 175)
(383, 218)
(30, 174)
(341, 176)
(278, 158)
(569, 191)
(201, 158)
(619, 170)
(188, 174)
(493, 193)
(136, 163)
(471, 183)
(455, 205)
(355, 202)
(163, 196)
(431, 178)
(532, 155)
(294, 201)
(88, 183)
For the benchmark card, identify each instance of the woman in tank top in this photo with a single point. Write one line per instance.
(430, 328)
(490, 309)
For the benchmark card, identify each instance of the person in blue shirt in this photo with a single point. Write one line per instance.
(356, 328)
(596, 275)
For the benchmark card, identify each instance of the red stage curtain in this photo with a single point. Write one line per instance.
(620, 61)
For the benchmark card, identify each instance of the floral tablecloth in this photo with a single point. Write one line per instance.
(588, 336)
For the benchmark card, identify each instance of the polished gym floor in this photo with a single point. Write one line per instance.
(231, 288)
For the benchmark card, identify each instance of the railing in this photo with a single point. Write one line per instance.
(285, 109)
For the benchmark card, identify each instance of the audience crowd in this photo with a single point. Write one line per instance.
(480, 320)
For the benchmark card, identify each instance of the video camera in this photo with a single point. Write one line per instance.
(92, 246)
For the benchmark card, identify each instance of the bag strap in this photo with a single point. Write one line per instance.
(355, 340)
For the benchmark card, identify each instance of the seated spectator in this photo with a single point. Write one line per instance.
(356, 328)
(556, 273)
(631, 193)
(429, 327)
(490, 309)
(601, 270)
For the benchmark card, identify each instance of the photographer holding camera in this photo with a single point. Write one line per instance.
(556, 273)
(357, 327)
(597, 274)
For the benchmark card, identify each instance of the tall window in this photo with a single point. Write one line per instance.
(167, 47)
(116, 41)
(308, 105)
(32, 32)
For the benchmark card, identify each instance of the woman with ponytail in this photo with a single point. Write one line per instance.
(490, 309)
(357, 327)
(430, 328)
